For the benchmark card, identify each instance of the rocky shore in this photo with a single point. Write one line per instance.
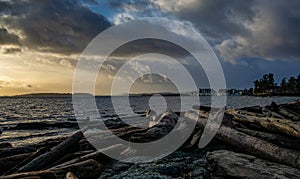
(252, 142)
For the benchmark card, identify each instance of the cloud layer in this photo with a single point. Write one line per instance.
(59, 26)
(237, 29)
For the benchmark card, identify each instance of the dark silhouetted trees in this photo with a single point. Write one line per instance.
(267, 85)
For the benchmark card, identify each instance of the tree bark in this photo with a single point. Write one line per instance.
(98, 156)
(7, 152)
(54, 154)
(82, 170)
(283, 126)
(277, 139)
(249, 144)
(228, 164)
(9, 162)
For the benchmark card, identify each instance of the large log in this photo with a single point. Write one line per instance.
(249, 144)
(98, 156)
(26, 160)
(7, 152)
(9, 162)
(31, 175)
(277, 139)
(82, 170)
(71, 157)
(289, 114)
(228, 164)
(283, 126)
(57, 152)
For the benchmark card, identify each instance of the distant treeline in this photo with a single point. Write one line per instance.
(267, 85)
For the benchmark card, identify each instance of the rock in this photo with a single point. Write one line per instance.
(237, 165)
(180, 164)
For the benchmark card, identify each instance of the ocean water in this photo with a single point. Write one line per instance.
(31, 120)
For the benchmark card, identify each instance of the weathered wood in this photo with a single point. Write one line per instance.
(289, 114)
(44, 125)
(236, 165)
(7, 152)
(204, 112)
(97, 156)
(84, 169)
(26, 160)
(49, 143)
(71, 157)
(280, 140)
(194, 139)
(165, 123)
(31, 175)
(269, 113)
(69, 145)
(9, 162)
(283, 126)
(254, 109)
(249, 144)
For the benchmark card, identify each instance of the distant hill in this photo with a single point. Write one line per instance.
(45, 95)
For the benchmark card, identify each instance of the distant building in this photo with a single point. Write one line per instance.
(222, 92)
(235, 92)
(205, 92)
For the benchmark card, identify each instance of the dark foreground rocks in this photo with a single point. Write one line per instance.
(252, 142)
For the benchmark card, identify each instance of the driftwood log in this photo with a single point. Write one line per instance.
(54, 154)
(85, 169)
(228, 164)
(7, 152)
(283, 126)
(97, 156)
(250, 144)
(280, 140)
(7, 163)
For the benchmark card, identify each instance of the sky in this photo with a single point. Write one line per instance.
(41, 41)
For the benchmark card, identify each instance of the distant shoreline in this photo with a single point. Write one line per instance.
(70, 95)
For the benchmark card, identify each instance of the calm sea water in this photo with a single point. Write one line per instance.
(30, 111)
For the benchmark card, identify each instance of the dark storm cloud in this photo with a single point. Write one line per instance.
(8, 38)
(63, 26)
(237, 29)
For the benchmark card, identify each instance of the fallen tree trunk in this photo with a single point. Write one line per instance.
(26, 160)
(54, 154)
(98, 156)
(277, 139)
(236, 165)
(9, 162)
(71, 157)
(31, 175)
(84, 169)
(7, 152)
(283, 126)
(249, 144)
(289, 114)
